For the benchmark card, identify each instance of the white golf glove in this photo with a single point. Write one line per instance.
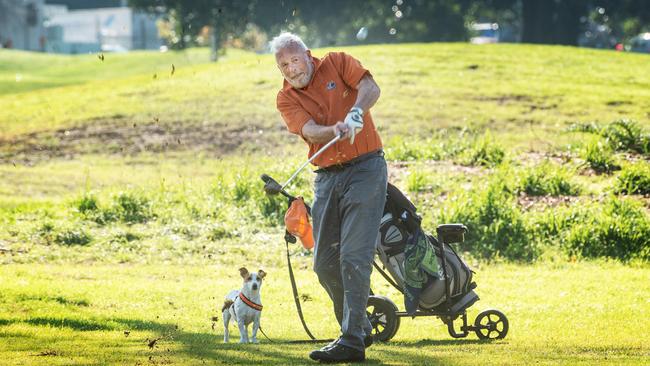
(354, 121)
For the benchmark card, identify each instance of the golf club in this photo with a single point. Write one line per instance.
(273, 187)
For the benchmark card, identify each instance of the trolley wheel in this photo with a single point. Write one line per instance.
(491, 324)
(381, 312)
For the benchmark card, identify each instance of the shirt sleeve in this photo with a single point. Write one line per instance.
(294, 116)
(349, 68)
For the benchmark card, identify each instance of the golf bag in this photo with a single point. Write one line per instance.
(400, 226)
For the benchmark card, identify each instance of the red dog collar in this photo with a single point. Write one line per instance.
(248, 302)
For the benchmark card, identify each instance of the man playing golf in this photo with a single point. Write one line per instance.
(321, 99)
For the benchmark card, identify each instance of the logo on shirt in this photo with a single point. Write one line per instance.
(331, 85)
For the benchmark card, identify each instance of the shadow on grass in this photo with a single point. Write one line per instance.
(447, 342)
(209, 347)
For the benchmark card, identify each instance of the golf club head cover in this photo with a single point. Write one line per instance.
(297, 222)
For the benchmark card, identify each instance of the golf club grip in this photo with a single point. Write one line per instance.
(266, 178)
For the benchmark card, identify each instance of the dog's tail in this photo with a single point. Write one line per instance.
(226, 305)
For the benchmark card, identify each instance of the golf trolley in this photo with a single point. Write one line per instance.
(446, 295)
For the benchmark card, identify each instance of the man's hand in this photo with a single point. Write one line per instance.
(341, 129)
(354, 122)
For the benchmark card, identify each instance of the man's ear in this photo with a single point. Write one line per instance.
(261, 274)
(243, 272)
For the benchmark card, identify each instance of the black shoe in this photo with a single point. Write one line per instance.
(367, 342)
(338, 353)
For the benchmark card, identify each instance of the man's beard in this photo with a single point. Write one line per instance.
(304, 80)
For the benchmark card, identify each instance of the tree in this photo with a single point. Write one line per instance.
(188, 17)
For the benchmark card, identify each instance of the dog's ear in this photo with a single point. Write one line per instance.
(243, 272)
(261, 274)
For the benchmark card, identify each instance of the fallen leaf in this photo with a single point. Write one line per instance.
(126, 333)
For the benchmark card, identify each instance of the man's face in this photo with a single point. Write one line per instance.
(295, 65)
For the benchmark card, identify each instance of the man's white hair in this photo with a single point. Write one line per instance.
(286, 40)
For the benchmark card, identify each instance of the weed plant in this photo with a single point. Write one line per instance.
(633, 179)
(548, 179)
(599, 156)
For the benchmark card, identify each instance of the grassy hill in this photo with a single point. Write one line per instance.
(130, 195)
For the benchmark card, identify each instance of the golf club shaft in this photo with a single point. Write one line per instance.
(332, 142)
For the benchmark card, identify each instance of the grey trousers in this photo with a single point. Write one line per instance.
(346, 213)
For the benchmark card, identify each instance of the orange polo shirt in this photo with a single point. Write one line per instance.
(327, 99)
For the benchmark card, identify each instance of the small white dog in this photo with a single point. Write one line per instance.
(244, 306)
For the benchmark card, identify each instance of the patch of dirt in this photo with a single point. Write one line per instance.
(115, 138)
(50, 352)
(614, 103)
(506, 98)
(543, 202)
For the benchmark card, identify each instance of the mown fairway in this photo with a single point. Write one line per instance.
(130, 196)
(574, 314)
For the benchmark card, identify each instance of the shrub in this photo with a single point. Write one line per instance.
(89, 207)
(626, 135)
(218, 232)
(132, 208)
(618, 229)
(587, 127)
(633, 179)
(548, 180)
(125, 237)
(402, 149)
(242, 188)
(494, 222)
(485, 151)
(273, 209)
(417, 181)
(47, 233)
(75, 236)
(87, 204)
(599, 156)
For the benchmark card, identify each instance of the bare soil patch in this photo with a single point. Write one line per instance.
(113, 137)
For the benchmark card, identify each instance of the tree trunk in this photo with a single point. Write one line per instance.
(537, 21)
(552, 21)
(215, 37)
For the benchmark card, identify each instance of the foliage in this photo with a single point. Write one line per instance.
(547, 179)
(634, 179)
(495, 223)
(188, 18)
(75, 236)
(627, 135)
(418, 181)
(599, 156)
(484, 152)
(617, 228)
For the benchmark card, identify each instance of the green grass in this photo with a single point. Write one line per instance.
(128, 201)
(25, 71)
(574, 314)
(522, 92)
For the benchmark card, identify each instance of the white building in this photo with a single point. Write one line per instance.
(105, 29)
(21, 24)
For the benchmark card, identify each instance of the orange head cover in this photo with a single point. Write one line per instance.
(297, 222)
